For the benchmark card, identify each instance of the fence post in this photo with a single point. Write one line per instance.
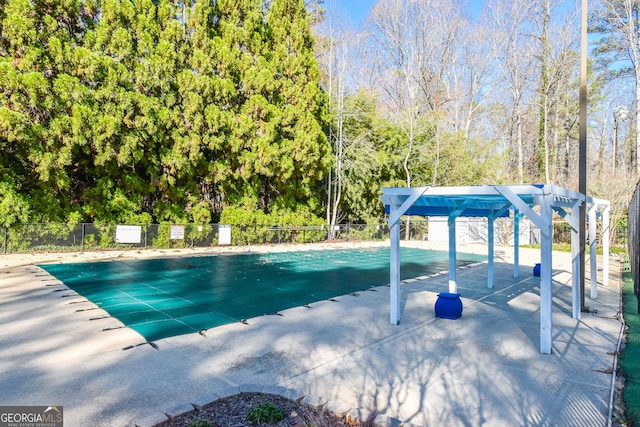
(82, 241)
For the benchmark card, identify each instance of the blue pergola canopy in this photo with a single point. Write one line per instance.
(439, 210)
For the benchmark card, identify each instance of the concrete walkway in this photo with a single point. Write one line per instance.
(484, 369)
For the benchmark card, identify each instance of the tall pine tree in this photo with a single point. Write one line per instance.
(204, 96)
(300, 143)
(41, 103)
(239, 50)
(136, 58)
(123, 111)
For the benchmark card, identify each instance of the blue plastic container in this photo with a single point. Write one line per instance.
(448, 306)
(536, 270)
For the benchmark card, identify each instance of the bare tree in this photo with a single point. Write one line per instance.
(471, 79)
(545, 86)
(333, 61)
(398, 61)
(619, 21)
(510, 21)
(420, 59)
(556, 38)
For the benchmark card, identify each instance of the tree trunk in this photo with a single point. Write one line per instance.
(544, 93)
(520, 147)
(405, 164)
(338, 189)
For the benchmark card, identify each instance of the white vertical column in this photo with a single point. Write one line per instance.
(593, 247)
(394, 300)
(516, 244)
(453, 286)
(490, 237)
(575, 263)
(546, 291)
(605, 245)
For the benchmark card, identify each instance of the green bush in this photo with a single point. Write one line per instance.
(561, 232)
(106, 232)
(265, 413)
(255, 226)
(42, 236)
(200, 423)
(14, 208)
(193, 233)
(366, 232)
(162, 240)
(19, 238)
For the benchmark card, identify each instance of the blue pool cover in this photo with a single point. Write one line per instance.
(166, 297)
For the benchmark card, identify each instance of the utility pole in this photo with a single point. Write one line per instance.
(582, 157)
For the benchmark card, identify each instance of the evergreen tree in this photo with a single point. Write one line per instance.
(42, 119)
(205, 96)
(171, 174)
(240, 63)
(136, 57)
(115, 190)
(300, 145)
(117, 111)
(371, 158)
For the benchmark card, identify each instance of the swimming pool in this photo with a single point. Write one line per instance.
(165, 297)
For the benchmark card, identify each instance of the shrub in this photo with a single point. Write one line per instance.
(255, 226)
(265, 413)
(200, 423)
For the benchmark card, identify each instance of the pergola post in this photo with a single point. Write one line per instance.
(490, 241)
(394, 312)
(453, 285)
(575, 262)
(546, 294)
(573, 220)
(516, 243)
(593, 227)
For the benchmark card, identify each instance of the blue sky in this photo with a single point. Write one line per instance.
(358, 9)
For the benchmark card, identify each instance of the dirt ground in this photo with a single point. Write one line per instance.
(232, 411)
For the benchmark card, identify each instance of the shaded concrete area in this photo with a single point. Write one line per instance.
(482, 369)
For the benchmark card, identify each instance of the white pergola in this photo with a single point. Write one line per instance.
(494, 201)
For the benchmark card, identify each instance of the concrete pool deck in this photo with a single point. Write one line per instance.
(482, 369)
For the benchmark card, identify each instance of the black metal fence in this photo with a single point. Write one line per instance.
(634, 239)
(562, 234)
(96, 236)
(93, 236)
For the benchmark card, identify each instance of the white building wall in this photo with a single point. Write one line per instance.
(474, 230)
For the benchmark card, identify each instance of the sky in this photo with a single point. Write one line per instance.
(357, 10)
